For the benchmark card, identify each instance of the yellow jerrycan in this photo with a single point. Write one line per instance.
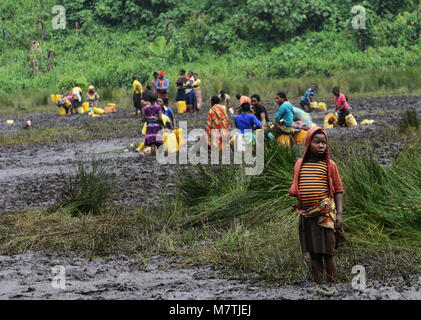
(170, 142)
(61, 111)
(181, 107)
(180, 137)
(283, 140)
(98, 110)
(300, 137)
(350, 121)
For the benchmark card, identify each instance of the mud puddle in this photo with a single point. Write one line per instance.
(30, 276)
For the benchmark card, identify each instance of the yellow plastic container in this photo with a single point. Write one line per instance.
(181, 107)
(283, 140)
(326, 123)
(350, 121)
(80, 110)
(170, 142)
(180, 137)
(322, 106)
(142, 146)
(85, 106)
(300, 137)
(9, 121)
(98, 110)
(366, 122)
(110, 109)
(111, 105)
(147, 150)
(314, 105)
(58, 97)
(53, 98)
(61, 111)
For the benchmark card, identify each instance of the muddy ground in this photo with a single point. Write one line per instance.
(30, 276)
(34, 176)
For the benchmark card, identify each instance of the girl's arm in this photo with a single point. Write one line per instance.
(339, 209)
(256, 122)
(263, 117)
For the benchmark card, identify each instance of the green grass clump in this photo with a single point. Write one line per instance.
(89, 191)
(409, 120)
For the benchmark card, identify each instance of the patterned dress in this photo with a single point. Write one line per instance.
(217, 119)
(153, 129)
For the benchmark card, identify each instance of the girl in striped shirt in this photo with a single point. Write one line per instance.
(318, 188)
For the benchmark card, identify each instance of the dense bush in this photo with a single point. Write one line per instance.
(241, 39)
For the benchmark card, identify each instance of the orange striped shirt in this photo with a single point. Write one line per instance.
(313, 183)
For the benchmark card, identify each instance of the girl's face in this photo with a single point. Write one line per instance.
(254, 102)
(279, 100)
(160, 102)
(336, 93)
(318, 144)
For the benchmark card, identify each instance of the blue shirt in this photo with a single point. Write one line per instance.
(310, 92)
(169, 113)
(166, 84)
(247, 121)
(285, 112)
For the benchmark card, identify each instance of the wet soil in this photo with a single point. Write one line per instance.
(34, 176)
(30, 276)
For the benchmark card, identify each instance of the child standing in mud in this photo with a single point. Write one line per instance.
(318, 189)
(342, 107)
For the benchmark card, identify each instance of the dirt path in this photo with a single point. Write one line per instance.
(30, 275)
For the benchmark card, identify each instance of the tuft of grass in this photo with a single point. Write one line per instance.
(409, 120)
(88, 192)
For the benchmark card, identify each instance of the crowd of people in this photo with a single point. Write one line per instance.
(72, 100)
(249, 112)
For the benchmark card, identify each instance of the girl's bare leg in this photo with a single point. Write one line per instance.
(153, 150)
(330, 261)
(317, 267)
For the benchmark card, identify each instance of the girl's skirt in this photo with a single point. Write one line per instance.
(191, 98)
(153, 134)
(314, 238)
(181, 95)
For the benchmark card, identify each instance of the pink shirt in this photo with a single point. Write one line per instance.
(339, 100)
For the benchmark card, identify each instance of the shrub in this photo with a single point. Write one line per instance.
(88, 192)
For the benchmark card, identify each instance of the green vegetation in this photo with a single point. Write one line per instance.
(228, 43)
(88, 192)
